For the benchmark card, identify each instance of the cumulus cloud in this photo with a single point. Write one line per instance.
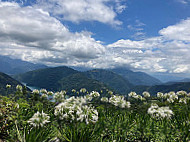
(179, 31)
(33, 35)
(83, 10)
(168, 52)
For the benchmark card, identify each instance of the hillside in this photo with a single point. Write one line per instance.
(4, 80)
(115, 81)
(137, 78)
(16, 66)
(59, 78)
(163, 88)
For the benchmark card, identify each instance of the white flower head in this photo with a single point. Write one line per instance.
(43, 91)
(159, 112)
(19, 88)
(183, 100)
(8, 86)
(160, 95)
(83, 90)
(119, 101)
(36, 91)
(49, 93)
(132, 94)
(59, 96)
(39, 119)
(181, 93)
(76, 109)
(146, 94)
(94, 94)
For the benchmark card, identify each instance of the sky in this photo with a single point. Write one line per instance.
(152, 36)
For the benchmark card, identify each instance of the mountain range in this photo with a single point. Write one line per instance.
(60, 78)
(120, 80)
(137, 78)
(65, 78)
(16, 66)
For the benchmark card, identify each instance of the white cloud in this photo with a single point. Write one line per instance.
(33, 35)
(83, 10)
(168, 52)
(180, 31)
(181, 69)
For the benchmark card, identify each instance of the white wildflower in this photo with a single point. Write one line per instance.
(43, 91)
(132, 94)
(73, 90)
(94, 94)
(181, 93)
(8, 86)
(160, 112)
(59, 96)
(39, 119)
(35, 91)
(119, 101)
(87, 114)
(88, 97)
(170, 100)
(160, 95)
(83, 90)
(49, 93)
(75, 109)
(166, 96)
(19, 88)
(110, 92)
(146, 94)
(188, 95)
(183, 100)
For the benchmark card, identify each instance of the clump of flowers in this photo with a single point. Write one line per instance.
(36, 91)
(94, 94)
(160, 95)
(146, 94)
(75, 109)
(19, 88)
(183, 100)
(43, 91)
(59, 96)
(104, 99)
(172, 97)
(181, 93)
(39, 119)
(119, 101)
(132, 94)
(73, 90)
(8, 86)
(110, 93)
(135, 96)
(83, 90)
(160, 112)
(49, 93)
(87, 114)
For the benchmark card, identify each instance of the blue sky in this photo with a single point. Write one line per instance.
(145, 35)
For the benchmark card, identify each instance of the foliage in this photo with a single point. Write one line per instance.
(94, 117)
